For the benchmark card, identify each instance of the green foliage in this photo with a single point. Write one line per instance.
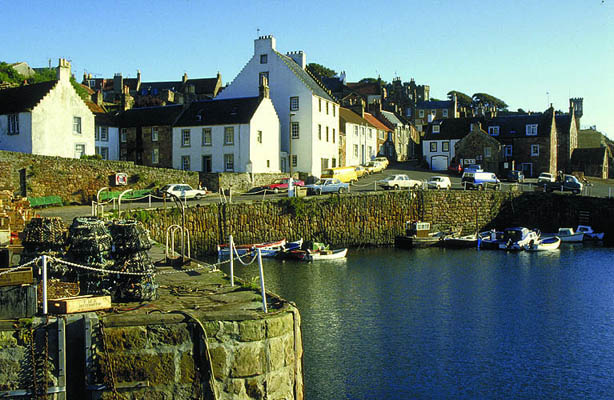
(79, 89)
(462, 98)
(298, 206)
(319, 70)
(47, 74)
(487, 100)
(8, 74)
(141, 216)
(97, 157)
(368, 80)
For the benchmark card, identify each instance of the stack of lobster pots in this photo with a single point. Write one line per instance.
(44, 236)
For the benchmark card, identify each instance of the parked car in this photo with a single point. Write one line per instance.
(473, 168)
(183, 191)
(382, 160)
(568, 183)
(327, 185)
(399, 181)
(282, 184)
(545, 177)
(455, 167)
(374, 167)
(344, 174)
(361, 171)
(514, 176)
(479, 180)
(439, 182)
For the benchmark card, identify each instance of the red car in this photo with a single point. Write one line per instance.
(456, 168)
(282, 184)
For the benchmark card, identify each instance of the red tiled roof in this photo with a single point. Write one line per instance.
(376, 122)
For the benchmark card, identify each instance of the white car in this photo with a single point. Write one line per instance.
(183, 191)
(399, 181)
(382, 160)
(545, 177)
(439, 182)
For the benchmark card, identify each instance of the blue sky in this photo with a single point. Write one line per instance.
(528, 53)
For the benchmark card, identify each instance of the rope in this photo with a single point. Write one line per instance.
(239, 257)
(20, 266)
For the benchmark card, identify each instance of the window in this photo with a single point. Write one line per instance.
(320, 105)
(487, 153)
(103, 152)
(327, 133)
(531, 129)
(370, 133)
(319, 132)
(355, 150)
(229, 135)
(508, 151)
(381, 135)
(155, 156)
(433, 146)
(206, 163)
(259, 137)
(493, 130)
(263, 74)
(333, 162)
(327, 107)
(229, 162)
(445, 113)
(185, 138)
(355, 130)
(104, 133)
(76, 125)
(123, 137)
(154, 134)
(268, 163)
(421, 113)
(435, 128)
(263, 58)
(96, 136)
(534, 150)
(294, 103)
(324, 163)
(445, 146)
(334, 135)
(419, 128)
(294, 159)
(362, 131)
(206, 136)
(185, 163)
(295, 131)
(79, 150)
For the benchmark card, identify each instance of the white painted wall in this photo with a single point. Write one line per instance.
(283, 84)
(365, 139)
(245, 148)
(428, 154)
(23, 141)
(112, 143)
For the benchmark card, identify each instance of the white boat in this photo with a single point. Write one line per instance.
(567, 235)
(460, 242)
(589, 234)
(268, 249)
(327, 255)
(518, 238)
(544, 244)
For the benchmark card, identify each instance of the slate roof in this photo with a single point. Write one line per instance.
(24, 98)
(592, 155)
(309, 81)
(150, 116)
(365, 88)
(515, 125)
(106, 119)
(435, 104)
(219, 112)
(451, 128)
(392, 118)
(376, 122)
(563, 122)
(350, 116)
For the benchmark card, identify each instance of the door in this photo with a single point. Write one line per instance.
(527, 169)
(206, 163)
(439, 163)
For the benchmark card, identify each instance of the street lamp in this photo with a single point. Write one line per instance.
(290, 142)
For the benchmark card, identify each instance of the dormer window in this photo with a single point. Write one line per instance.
(263, 58)
(531, 129)
(493, 130)
(435, 128)
(445, 113)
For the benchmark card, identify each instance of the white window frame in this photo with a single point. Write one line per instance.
(186, 137)
(445, 112)
(319, 131)
(123, 135)
(104, 152)
(493, 130)
(13, 124)
(79, 146)
(76, 125)
(433, 147)
(534, 150)
(355, 130)
(421, 113)
(229, 135)
(327, 133)
(508, 151)
(531, 129)
(334, 134)
(104, 133)
(294, 160)
(206, 137)
(294, 103)
(295, 129)
(436, 128)
(185, 163)
(155, 156)
(259, 136)
(229, 162)
(355, 150)
(154, 134)
(444, 145)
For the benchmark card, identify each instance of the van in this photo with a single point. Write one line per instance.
(344, 174)
(479, 180)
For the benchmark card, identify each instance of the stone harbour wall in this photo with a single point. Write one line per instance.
(375, 218)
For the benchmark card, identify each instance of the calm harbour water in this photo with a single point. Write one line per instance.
(436, 323)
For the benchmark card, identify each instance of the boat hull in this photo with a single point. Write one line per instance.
(328, 255)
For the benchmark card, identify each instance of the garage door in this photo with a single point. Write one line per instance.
(439, 163)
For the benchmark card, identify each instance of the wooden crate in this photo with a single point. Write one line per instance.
(17, 301)
(70, 305)
(15, 278)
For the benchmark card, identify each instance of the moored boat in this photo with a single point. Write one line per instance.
(567, 235)
(418, 234)
(589, 233)
(460, 242)
(517, 238)
(267, 249)
(490, 240)
(544, 244)
(327, 255)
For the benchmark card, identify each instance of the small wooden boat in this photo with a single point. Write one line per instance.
(327, 255)
(567, 235)
(459, 242)
(418, 234)
(490, 240)
(518, 238)
(545, 244)
(589, 234)
(268, 249)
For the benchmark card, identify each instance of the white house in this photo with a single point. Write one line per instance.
(360, 137)
(47, 118)
(231, 135)
(439, 141)
(308, 114)
(107, 136)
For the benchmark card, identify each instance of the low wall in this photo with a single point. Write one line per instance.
(78, 181)
(239, 182)
(375, 218)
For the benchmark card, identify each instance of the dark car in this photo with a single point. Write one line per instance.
(514, 176)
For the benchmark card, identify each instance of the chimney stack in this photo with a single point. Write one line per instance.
(63, 71)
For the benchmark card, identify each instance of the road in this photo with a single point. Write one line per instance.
(599, 188)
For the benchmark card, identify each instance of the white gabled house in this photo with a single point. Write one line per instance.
(360, 137)
(47, 118)
(308, 114)
(438, 144)
(230, 135)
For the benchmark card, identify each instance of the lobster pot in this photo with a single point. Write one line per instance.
(43, 236)
(129, 237)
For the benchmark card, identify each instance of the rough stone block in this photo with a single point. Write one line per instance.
(277, 353)
(168, 335)
(187, 370)
(280, 385)
(129, 367)
(254, 388)
(279, 326)
(126, 338)
(249, 360)
(250, 331)
(219, 360)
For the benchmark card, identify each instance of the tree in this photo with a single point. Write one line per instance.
(8, 74)
(462, 98)
(487, 100)
(319, 70)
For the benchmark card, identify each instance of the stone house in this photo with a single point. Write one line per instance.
(440, 139)
(360, 137)
(228, 135)
(47, 118)
(146, 135)
(567, 126)
(308, 113)
(478, 147)
(404, 138)
(431, 110)
(591, 161)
